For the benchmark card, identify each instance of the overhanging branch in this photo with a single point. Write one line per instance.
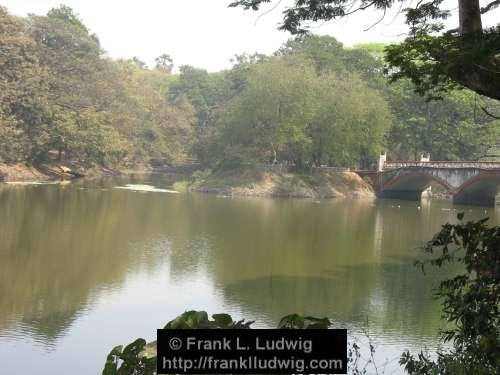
(490, 6)
(489, 113)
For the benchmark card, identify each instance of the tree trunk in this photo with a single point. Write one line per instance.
(469, 14)
(478, 68)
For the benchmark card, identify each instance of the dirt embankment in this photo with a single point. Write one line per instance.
(49, 172)
(20, 172)
(317, 184)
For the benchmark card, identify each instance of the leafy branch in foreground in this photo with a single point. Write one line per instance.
(140, 359)
(135, 359)
(132, 360)
(471, 301)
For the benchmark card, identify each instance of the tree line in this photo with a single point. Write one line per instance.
(61, 98)
(312, 102)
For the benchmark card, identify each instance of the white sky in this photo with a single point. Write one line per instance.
(205, 33)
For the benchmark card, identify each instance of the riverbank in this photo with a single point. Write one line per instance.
(55, 171)
(318, 184)
(51, 172)
(21, 173)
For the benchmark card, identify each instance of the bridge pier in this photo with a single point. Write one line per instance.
(408, 195)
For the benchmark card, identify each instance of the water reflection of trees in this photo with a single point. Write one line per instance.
(59, 247)
(348, 260)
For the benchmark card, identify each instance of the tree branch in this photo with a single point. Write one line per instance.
(489, 114)
(490, 6)
(268, 11)
(376, 23)
(362, 7)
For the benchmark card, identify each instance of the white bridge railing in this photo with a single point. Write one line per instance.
(442, 164)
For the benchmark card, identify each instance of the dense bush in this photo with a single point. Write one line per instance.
(471, 302)
(134, 360)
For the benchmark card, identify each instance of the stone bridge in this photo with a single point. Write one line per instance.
(476, 183)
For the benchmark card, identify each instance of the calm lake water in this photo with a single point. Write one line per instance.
(84, 268)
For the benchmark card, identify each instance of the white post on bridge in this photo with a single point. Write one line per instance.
(425, 157)
(381, 161)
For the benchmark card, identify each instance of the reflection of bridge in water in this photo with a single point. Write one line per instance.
(476, 183)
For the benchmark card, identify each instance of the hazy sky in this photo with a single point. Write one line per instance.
(203, 33)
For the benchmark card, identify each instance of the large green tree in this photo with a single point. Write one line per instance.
(61, 99)
(72, 57)
(23, 92)
(207, 92)
(272, 113)
(451, 129)
(155, 125)
(290, 111)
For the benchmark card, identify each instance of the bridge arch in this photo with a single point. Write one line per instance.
(481, 189)
(476, 183)
(413, 181)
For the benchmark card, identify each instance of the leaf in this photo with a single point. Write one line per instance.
(293, 321)
(317, 323)
(111, 365)
(189, 319)
(131, 351)
(223, 320)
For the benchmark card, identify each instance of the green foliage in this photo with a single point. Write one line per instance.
(133, 360)
(164, 63)
(316, 102)
(24, 107)
(351, 123)
(298, 14)
(67, 15)
(434, 62)
(451, 129)
(199, 320)
(299, 110)
(128, 361)
(156, 126)
(329, 55)
(201, 175)
(313, 102)
(206, 92)
(471, 301)
(438, 63)
(295, 321)
(60, 96)
(272, 112)
(181, 186)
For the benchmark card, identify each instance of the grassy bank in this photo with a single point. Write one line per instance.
(252, 182)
